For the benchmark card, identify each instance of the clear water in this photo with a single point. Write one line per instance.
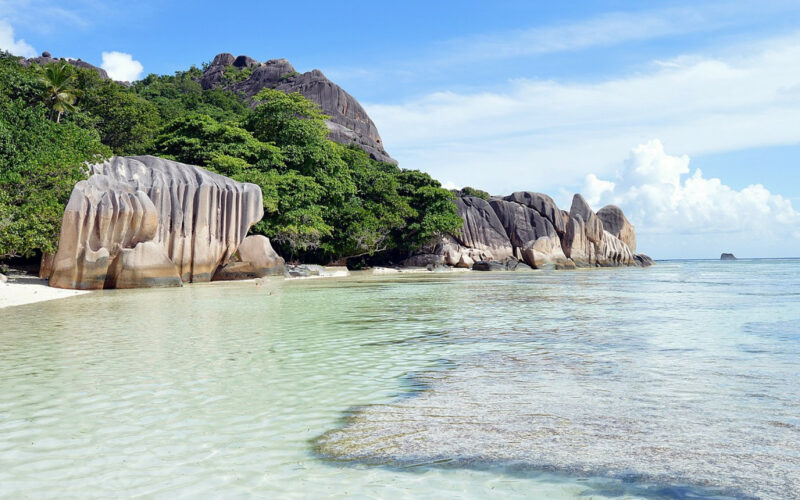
(679, 381)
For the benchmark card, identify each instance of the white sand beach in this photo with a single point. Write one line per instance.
(27, 290)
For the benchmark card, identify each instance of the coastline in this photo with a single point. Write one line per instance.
(22, 289)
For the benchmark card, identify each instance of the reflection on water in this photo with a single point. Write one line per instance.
(673, 382)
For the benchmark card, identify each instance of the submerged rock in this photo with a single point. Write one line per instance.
(145, 221)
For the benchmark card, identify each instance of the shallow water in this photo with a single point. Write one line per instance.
(675, 381)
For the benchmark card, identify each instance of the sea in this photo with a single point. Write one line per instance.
(677, 381)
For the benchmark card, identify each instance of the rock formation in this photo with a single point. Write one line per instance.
(349, 122)
(255, 258)
(533, 237)
(727, 256)
(46, 58)
(144, 221)
(529, 227)
(615, 222)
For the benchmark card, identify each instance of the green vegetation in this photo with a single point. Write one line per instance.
(471, 191)
(323, 201)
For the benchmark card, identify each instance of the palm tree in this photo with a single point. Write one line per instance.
(59, 94)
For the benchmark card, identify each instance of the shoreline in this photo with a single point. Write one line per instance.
(21, 290)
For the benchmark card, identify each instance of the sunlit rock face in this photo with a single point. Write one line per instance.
(145, 221)
(615, 222)
(530, 227)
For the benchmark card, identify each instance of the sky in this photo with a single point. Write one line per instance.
(685, 114)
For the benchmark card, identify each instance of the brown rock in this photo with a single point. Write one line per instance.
(593, 225)
(615, 222)
(256, 259)
(192, 221)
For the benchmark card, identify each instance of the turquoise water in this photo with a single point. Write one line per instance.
(679, 381)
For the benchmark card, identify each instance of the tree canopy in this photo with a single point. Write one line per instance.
(322, 201)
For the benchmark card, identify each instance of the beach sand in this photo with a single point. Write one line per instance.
(26, 289)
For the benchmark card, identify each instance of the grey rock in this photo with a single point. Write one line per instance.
(533, 236)
(613, 252)
(512, 264)
(245, 62)
(255, 258)
(482, 232)
(543, 204)
(727, 256)
(576, 245)
(643, 260)
(593, 225)
(615, 222)
(304, 271)
(45, 58)
(492, 265)
(423, 260)
(349, 122)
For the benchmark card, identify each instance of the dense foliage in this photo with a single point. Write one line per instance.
(323, 201)
(40, 162)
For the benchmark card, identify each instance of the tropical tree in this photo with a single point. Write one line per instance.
(59, 94)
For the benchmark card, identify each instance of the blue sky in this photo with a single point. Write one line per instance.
(623, 101)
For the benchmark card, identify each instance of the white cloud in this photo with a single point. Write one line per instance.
(121, 66)
(17, 47)
(661, 196)
(542, 134)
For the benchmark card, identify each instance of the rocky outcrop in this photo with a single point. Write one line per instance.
(483, 237)
(544, 205)
(255, 258)
(727, 256)
(145, 221)
(615, 222)
(529, 227)
(348, 123)
(533, 237)
(46, 58)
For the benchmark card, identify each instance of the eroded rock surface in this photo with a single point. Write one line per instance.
(529, 227)
(615, 222)
(145, 221)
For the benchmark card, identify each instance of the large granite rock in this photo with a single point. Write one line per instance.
(349, 122)
(483, 235)
(144, 221)
(576, 244)
(543, 204)
(255, 258)
(615, 222)
(593, 225)
(533, 236)
(613, 252)
(521, 226)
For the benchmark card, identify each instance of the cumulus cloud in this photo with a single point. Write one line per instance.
(121, 66)
(543, 134)
(660, 194)
(8, 43)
